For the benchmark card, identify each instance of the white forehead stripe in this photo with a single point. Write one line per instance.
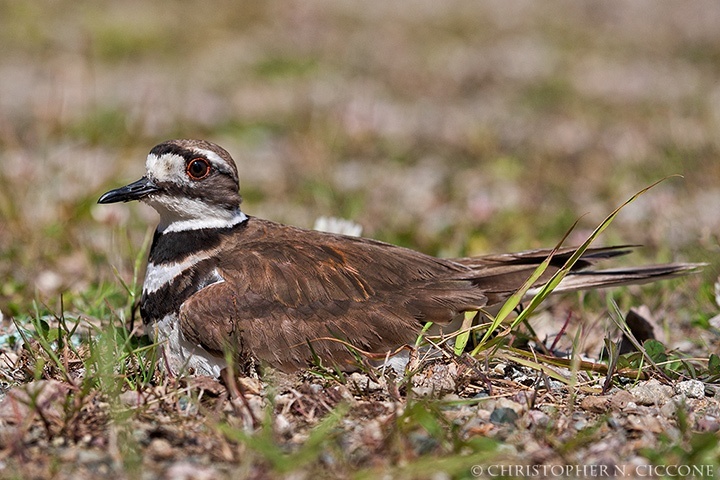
(166, 168)
(170, 167)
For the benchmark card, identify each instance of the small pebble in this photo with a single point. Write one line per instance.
(503, 415)
(282, 425)
(91, 456)
(691, 389)
(651, 392)
(499, 370)
(189, 471)
(365, 383)
(538, 418)
(160, 449)
(668, 410)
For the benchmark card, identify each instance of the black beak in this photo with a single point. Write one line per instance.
(135, 191)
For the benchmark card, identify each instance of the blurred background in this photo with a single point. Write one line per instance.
(455, 127)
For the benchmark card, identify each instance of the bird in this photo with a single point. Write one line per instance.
(218, 280)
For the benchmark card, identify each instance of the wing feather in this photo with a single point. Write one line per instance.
(285, 287)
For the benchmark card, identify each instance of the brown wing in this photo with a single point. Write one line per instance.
(284, 287)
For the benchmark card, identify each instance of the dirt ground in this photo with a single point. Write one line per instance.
(455, 128)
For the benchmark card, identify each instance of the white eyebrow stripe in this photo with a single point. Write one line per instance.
(214, 158)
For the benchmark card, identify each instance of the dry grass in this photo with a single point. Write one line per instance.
(452, 127)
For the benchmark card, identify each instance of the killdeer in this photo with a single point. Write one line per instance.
(218, 279)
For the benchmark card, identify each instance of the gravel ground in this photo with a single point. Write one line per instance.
(455, 128)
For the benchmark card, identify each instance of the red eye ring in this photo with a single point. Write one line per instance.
(198, 168)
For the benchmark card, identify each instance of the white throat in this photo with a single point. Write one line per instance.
(200, 223)
(179, 214)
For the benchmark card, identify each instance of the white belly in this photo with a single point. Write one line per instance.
(179, 355)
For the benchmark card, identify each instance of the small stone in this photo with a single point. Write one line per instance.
(436, 380)
(644, 423)
(538, 418)
(668, 410)
(365, 384)
(503, 415)
(91, 457)
(613, 423)
(595, 404)
(507, 403)
(708, 424)
(189, 471)
(651, 392)
(621, 399)
(131, 398)
(451, 405)
(548, 409)
(691, 389)
(160, 449)
(373, 432)
(524, 397)
(282, 425)
(68, 455)
(499, 370)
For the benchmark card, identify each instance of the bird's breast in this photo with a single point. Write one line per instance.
(169, 284)
(180, 355)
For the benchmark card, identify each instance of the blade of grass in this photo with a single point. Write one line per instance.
(579, 252)
(462, 339)
(617, 317)
(512, 303)
(555, 280)
(421, 335)
(584, 365)
(266, 445)
(613, 352)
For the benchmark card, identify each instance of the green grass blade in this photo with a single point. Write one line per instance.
(422, 333)
(555, 280)
(511, 303)
(462, 339)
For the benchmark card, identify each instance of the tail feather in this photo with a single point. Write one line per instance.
(535, 257)
(498, 276)
(588, 279)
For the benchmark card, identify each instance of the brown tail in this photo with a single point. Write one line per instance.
(587, 279)
(500, 275)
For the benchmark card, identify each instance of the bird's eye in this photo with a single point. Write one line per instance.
(198, 168)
